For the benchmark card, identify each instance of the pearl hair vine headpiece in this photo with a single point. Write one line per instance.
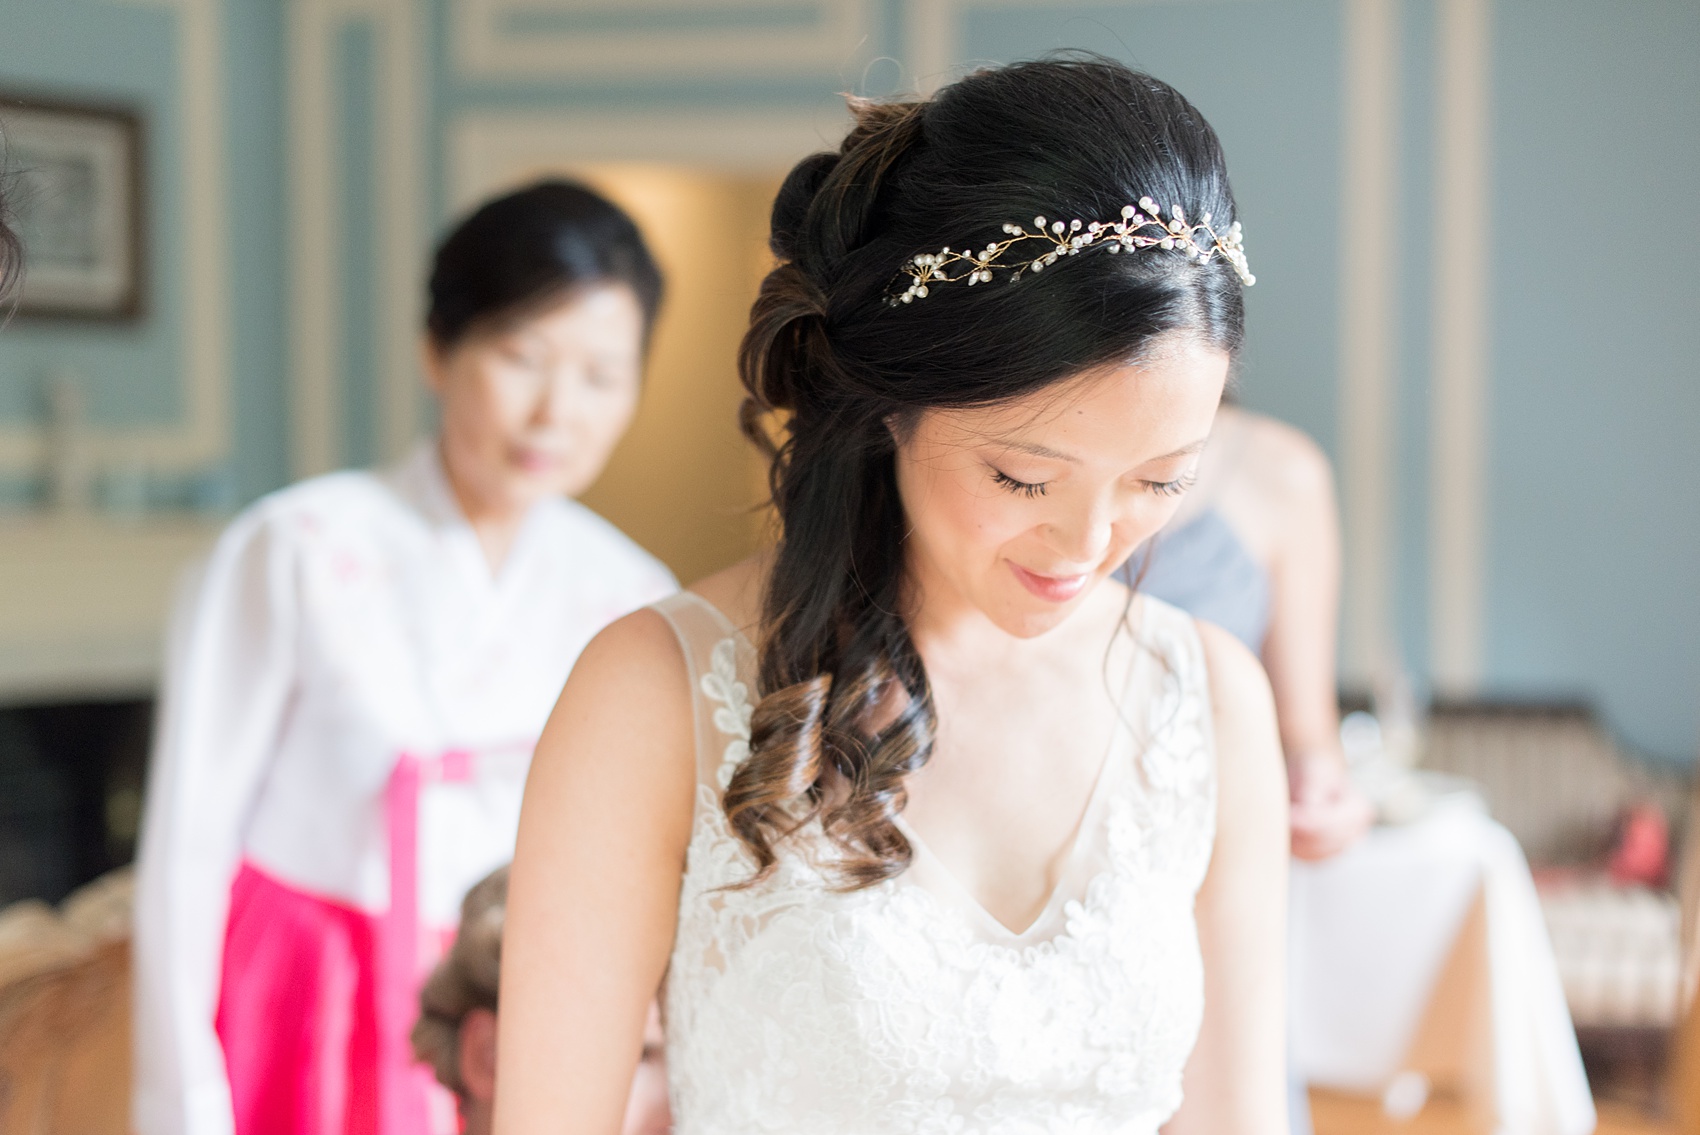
(1070, 238)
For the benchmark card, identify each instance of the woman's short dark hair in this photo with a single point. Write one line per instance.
(531, 248)
(835, 373)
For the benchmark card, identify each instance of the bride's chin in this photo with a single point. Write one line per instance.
(1030, 619)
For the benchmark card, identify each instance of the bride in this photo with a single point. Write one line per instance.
(921, 822)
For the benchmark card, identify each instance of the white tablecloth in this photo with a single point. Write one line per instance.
(1423, 949)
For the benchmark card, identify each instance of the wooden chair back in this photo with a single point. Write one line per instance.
(1685, 1056)
(65, 1014)
(65, 1048)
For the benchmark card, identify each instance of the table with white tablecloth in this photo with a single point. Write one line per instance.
(1422, 951)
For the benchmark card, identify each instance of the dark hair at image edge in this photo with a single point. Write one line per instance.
(528, 249)
(831, 369)
(11, 244)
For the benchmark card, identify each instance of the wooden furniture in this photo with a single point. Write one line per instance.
(65, 1013)
(1684, 1071)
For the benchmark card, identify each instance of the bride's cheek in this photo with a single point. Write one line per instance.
(984, 514)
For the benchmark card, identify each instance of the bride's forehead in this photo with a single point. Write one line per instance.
(1119, 408)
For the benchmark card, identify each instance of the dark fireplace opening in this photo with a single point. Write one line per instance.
(71, 778)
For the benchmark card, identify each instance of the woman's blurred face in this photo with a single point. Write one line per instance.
(534, 407)
(1021, 509)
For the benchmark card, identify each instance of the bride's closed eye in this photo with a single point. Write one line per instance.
(1172, 488)
(1025, 488)
(1175, 487)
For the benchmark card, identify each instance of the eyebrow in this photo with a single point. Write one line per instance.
(1053, 455)
(1185, 450)
(1036, 450)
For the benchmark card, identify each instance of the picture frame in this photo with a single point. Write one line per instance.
(74, 175)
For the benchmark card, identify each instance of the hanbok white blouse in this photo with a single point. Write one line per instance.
(350, 705)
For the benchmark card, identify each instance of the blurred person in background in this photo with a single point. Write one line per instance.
(456, 1033)
(355, 683)
(1255, 549)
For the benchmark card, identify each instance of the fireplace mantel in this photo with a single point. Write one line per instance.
(84, 601)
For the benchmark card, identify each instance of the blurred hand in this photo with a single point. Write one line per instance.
(1328, 813)
(648, 1111)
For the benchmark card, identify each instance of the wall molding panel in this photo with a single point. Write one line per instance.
(489, 150)
(933, 34)
(202, 436)
(932, 42)
(315, 233)
(1369, 334)
(401, 176)
(1459, 380)
(556, 39)
(317, 385)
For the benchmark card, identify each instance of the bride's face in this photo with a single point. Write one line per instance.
(1021, 509)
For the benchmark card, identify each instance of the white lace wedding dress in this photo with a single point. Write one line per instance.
(906, 1007)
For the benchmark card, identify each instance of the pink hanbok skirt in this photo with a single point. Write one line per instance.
(318, 1000)
(303, 1022)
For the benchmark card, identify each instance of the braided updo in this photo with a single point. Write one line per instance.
(835, 375)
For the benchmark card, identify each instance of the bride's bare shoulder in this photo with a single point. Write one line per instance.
(640, 654)
(737, 591)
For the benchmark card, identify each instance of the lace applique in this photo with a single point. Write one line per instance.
(796, 1008)
(721, 685)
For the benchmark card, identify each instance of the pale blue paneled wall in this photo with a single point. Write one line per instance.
(259, 247)
(120, 54)
(1591, 490)
(1267, 75)
(1594, 525)
(354, 54)
(134, 374)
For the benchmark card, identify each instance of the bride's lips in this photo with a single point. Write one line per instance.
(1052, 588)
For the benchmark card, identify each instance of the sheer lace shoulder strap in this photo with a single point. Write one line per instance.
(1172, 635)
(1179, 715)
(721, 664)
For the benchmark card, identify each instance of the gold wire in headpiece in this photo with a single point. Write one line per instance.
(929, 269)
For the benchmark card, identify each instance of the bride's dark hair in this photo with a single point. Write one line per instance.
(835, 374)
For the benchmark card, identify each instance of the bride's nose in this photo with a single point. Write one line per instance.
(1082, 536)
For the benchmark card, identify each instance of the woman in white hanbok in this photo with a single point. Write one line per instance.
(355, 685)
(922, 822)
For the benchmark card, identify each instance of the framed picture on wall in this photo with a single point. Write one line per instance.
(75, 185)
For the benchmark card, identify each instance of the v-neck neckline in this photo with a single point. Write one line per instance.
(1117, 753)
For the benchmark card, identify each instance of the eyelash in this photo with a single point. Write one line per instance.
(1172, 488)
(1025, 488)
(1175, 487)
